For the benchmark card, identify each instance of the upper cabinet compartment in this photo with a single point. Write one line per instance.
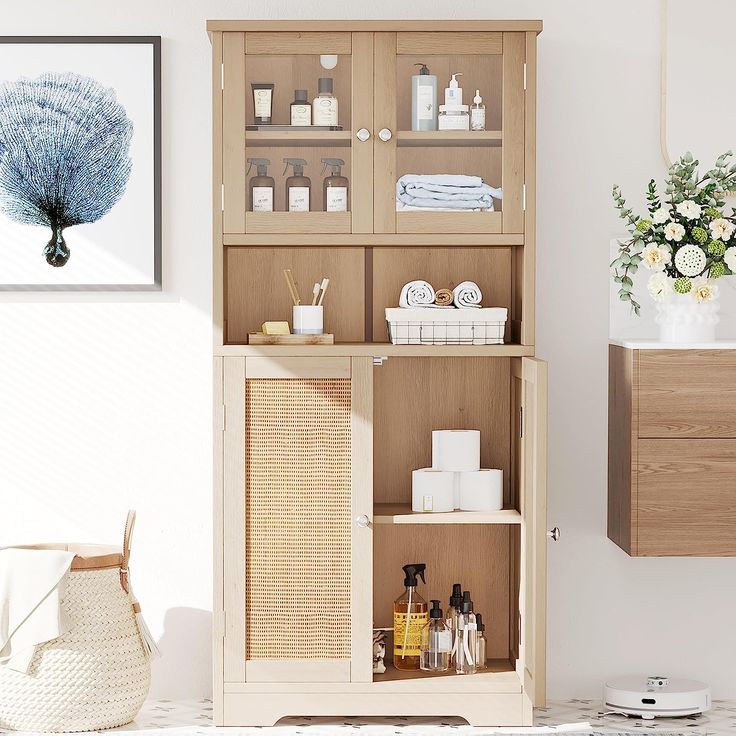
(491, 63)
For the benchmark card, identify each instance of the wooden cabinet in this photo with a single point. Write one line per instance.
(672, 451)
(315, 444)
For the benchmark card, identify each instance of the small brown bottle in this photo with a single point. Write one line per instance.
(335, 186)
(410, 616)
(298, 186)
(260, 188)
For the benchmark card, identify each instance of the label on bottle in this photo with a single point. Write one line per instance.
(262, 199)
(453, 122)
(477, 118)
(262, 103)
(298, 199)
(301, 114)
(412, 633)
(337, 199)
(444, 641)
(425, 102)
(325, 111)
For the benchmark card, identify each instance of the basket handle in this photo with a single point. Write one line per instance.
(129, 525)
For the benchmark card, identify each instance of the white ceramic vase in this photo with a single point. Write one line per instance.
(682, 319)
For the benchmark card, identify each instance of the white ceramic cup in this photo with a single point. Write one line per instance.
(308, 320)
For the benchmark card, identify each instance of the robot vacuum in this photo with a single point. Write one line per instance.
(656, 697)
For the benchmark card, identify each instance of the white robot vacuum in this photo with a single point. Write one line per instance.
(656, 697)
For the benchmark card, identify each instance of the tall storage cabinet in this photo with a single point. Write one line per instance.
(315, 444)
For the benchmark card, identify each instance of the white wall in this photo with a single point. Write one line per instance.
(105, 401)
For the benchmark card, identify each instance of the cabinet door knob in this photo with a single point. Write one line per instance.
(385, 134)
(554, 534)
(362, 521)
(363, 134)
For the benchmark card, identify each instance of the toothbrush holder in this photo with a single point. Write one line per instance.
(308, 319)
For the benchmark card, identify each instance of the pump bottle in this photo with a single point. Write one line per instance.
(410, 616)
(298, 186)
(467, 635)
(335, 186)
(260, 189)
(423, 100)
(477, 113)
(481, 643)
(453, 611)
(324, 107)
(436, 642)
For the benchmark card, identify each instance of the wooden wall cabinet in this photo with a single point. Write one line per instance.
(672, 451)
(314, 444)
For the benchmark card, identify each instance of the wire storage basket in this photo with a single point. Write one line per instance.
(431, 326)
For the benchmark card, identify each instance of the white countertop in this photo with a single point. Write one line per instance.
(652, 344)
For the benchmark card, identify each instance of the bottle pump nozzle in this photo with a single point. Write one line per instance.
(411, 572)
(424, 69)
(467, 604)
(334, 163)
(260, 164)
(457, 595)
(453, 81)
(436, 611)
(479, 622)
(297, 163)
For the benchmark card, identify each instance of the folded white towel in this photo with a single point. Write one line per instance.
(446, 191)
(32, 584)
(467, 294)
(416, 294)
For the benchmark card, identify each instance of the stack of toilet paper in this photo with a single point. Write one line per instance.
(456, 480)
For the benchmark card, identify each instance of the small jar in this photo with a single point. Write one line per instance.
(453, 118)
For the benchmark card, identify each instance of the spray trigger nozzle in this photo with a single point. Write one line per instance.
(298, 165)
(260, 164)
(334, 163)
(412, 572)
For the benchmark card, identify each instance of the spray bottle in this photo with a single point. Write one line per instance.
(481, 643)
(260, 189)
(453, 611)
(335, 186)
(467, 634)
(410, 616)
(298, 186)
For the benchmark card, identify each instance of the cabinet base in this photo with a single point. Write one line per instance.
(478, 709)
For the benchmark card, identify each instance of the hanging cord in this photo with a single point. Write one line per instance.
(663, 82)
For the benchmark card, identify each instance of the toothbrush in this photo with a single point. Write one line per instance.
(315, 294)
(325, 284)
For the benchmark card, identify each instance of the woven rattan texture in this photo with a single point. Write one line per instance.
(298, 518)
(94, 676)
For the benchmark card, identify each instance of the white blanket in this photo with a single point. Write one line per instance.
(31, 587)
(467, 294)
(416, 294)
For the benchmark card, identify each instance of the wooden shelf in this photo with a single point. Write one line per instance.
(378, 349)
(304, 137)
(499, 676)
(449, 138)
(399, 513)
(378, 240)
(297, 222)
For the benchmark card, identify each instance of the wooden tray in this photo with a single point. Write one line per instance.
(258, 338)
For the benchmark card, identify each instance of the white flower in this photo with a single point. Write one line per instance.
(659, 286)
(690, 260)
(661, 216)
(704, 290)
(674, 231)
(730, 258)
(688, 209)
(721, 228)
(656, 257)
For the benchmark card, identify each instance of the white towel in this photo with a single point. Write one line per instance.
(32, 584)
(446, 191)
(467, 294)
(416, 294)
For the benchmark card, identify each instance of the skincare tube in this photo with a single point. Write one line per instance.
(262, 102)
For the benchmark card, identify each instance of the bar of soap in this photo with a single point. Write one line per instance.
(275, 328)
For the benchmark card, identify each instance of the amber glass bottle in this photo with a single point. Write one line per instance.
(410, 616)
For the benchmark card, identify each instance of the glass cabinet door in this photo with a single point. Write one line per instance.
(291, 61)
(493, 64)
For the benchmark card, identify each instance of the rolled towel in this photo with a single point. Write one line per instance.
(467, 294)
(443, 297)
(416, 294)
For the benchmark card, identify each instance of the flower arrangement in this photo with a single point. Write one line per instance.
(686, 239)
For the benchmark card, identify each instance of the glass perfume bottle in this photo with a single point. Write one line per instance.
(453, 611)
(481, 643)
(436, 642)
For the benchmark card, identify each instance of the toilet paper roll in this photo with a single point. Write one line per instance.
(432, 490)
(481, 490)
(456, 449)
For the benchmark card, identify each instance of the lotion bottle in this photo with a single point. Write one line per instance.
(410, 616)
(300, 111)
(423, 100)
(335, 186)
(298, 186)
(477, 113)
(324, 107)
(436, 642)
(260, 188)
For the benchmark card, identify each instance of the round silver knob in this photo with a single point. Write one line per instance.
(554, 534)
(362, 521)
(363, 134)
(385, 134)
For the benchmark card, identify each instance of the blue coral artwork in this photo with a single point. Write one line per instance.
(80, 164)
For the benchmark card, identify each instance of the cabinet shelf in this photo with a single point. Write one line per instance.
(499, 676)
(304, 137)
(379, 349)
(398, 513)
(449, 138)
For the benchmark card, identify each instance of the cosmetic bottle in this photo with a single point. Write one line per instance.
(453, 115)
(436, 642)
(262, 102)
(453, 611)
(423, 100)
(410, 616)
(324, 107)
(335, 186)
(298, 186)
(466, 637)
(477, 113)
(480, 644)
(260, 188)
(300, 110)
(454, 92)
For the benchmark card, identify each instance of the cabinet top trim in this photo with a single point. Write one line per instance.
(374, 25)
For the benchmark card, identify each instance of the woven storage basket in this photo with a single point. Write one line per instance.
(97, 674)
